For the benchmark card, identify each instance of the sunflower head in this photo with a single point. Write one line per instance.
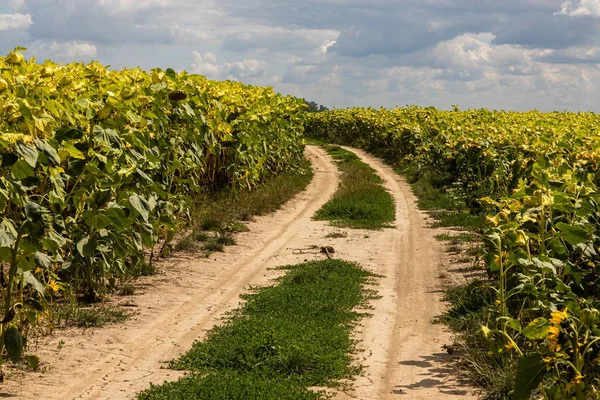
(553, 333)
(559, 316)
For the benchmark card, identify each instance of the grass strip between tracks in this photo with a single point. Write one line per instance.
(286, 339)
(361, 201)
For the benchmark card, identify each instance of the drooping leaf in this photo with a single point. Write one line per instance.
(573, 234)
(43, 260)
(117, 217)
(48, 151)
(86, 246)
(140, 205)
(21, 170)
(530, 373)
(8, 233)
(28, 152)
(32, 280)
(72, 150)
(536, 329)
(13, 341)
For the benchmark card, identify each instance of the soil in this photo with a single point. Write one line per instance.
(400, 348)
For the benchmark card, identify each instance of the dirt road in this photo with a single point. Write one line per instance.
(399, 347)
(402, 349)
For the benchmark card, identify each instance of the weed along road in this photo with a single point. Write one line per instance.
(399, 347)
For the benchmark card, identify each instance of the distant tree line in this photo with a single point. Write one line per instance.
(314, 107)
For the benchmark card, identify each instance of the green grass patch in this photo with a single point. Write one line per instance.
(284, 340)
(217, 215)
(444, 202)
(459, 220)
(361, 201)
(456, 239)
(223, 211)
(71, 314)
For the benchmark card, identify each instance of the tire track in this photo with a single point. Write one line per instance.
(402, 349)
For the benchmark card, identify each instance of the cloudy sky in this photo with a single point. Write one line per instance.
(509, 54)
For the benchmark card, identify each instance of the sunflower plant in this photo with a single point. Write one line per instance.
(98, 166)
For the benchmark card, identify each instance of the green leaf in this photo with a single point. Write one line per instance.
(21, 170)
(100, 221)
(171, 74)
(25, 110)
(28, 152)
(137, 241)
(33, 361)
(8, 234)
(573, 234)
(84, 103)
(133, 117)
(42, 260)
(48, 151)
(189, 110)
(14, 344)
(530, 372)
(144, 175)
(72, 150)
(140, 205)
(32, 280)
(86, 246)
(512, 323)
(32, 210)
(537, 329)
(117, 217)
(544, 266)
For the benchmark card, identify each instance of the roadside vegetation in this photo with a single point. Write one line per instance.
(534, 176)
(361, 201)
(286, 339)
(99, 168)
(215, 216)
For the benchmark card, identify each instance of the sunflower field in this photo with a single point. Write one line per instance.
(536, 176)
(97, 166)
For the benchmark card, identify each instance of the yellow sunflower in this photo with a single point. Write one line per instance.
(559, 316)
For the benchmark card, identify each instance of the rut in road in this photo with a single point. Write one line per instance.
(399, 346)
(402, 349)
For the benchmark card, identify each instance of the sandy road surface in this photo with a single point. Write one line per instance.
(400, 348)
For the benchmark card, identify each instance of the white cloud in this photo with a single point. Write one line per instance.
(574, 55)
(326, 45)
(190, 35)
(14, 21)
(249, 68)
(130, 6)
(17, 4)
(73, 50)
(580, 8)
(206, 64)
(471, 56)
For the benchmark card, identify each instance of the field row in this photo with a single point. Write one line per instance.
(99, 166)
